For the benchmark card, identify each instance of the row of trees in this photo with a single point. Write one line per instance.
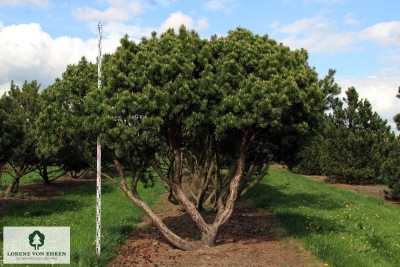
(221, 110)
(20, 109)
(354, 145)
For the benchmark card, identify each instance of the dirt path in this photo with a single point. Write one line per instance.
(249, 238)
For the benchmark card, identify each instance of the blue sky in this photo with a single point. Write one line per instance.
(360, 39)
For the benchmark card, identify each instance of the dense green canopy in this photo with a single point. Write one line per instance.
(221, 108)
(357, 141)
(22, 107)
(59, 132)
(11, 133)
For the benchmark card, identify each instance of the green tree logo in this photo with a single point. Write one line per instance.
(36, 239)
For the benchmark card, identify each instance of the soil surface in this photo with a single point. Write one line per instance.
(249, 238)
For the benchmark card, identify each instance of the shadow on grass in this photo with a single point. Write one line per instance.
(55, 198)
(26, 209)
(125, 227)
(284, 205)
(267, 196)
(89, 189)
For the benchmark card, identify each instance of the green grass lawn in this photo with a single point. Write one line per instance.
(76, 208)
(340, 227)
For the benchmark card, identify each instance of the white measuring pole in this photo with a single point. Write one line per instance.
(98, 170)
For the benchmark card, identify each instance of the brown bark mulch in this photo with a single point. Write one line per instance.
(249, 238)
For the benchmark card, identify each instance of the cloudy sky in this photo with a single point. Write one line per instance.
(360, 39)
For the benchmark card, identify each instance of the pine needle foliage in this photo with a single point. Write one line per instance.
(357, 141)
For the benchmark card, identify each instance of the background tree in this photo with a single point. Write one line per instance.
(308, 159)
(357, 142)
(391, 167)
(60, 132)
(23, 106)
(10, 132)
(391, 170)
(330, 89)
(11, 135)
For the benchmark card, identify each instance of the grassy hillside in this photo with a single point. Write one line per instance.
(341, 227)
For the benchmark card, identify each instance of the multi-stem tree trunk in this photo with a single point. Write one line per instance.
(209, 232)
(18, 173)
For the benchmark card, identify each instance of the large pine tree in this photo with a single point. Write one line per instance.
(22, 105)
(357, 141)
(308, 159)
(391, 167)
(162, 98)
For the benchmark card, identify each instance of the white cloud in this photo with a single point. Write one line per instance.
(387, 72)
(175, 20)
(300, 25)
(349, 19)
(28, 53)
(326, 2)
(395, 59)
(4, 88)
(385, 33)
(37, 3)
(202, 24)
(165, 2)
(110, 14)
(120, 10)
(274, 24)
(120, 29)
(318, 34)
(227, 5)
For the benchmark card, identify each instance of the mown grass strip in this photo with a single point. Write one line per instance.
(340, 227)
(76, 208)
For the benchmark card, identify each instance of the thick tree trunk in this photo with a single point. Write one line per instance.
(225, 211)
(209, 232)
(19, 172)
(45, 175)
(171, 236)
(12, 186)
(209, 238)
